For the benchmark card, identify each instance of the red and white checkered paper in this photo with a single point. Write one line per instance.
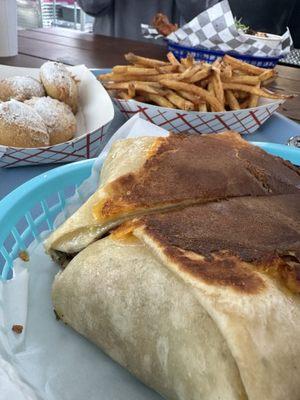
(86, 146)
(242, 121)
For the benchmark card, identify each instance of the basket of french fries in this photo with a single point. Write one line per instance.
(193, 96)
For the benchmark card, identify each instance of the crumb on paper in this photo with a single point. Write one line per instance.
(17, 329)
(24, 255)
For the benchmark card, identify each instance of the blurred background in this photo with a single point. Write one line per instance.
(47, 13)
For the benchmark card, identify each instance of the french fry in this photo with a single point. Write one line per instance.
(202, 107)
(255, 90)
(190, 85)
(231, 100)
(226, 71)
(268, 74)
(148, 62)
(179, 101)
(131, 90)
(143, 86)
(243, 79)
(121, 69)
(167, 68)
(172, 59)
(242, 66)
(253, 99)
(159, 100)
(217, 85)
(189, 96)
(204, 94)
(202, 74)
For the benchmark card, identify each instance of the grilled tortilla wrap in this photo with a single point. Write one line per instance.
(194, 311)
(149, 174)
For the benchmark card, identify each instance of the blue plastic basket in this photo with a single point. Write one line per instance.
(202, 54)
(32, 208)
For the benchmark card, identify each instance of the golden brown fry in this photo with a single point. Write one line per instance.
(121, 69)
(218, 86)
(167, 68)
(159, 100)
(149, 62)
(204, 94)
(172, 59)
(143, 86)
(202, 107)
(242, 66)
(268, 74)
(189, 96)
(243, 79)
(189, 72)
(131, 90)
(255, 90)
(231, 100)
(253, 100)
(179, 101)
(210, 87)
(198, 76)
(226, 71)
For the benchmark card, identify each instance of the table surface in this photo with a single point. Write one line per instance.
(97, 51)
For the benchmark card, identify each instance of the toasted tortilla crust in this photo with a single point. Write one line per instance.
(225, 243)
(192, 169)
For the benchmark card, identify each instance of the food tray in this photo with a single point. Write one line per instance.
(32, 208)
(243, 121)
(203, 54)
(86, 145)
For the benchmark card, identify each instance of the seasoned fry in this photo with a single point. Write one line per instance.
(194, 99)
(121, 69)
(243, 79)
(172, 59)
(268, 74)
(202, 107)
(217, 85)
(231, 100)
(255, 90)
(204, 94)
(202, 74)
(167, 68)
(148, 62)
(143, 86)
(159, 100)
(242, 66)
(189, 72)
(179, 101)
(226, 71)
(131, 90)
(191, 85)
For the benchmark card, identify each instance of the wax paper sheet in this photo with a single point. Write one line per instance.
(49, 360)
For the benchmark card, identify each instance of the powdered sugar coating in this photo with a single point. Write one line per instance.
(20, 88)
(59, 83)
(58, 117)
(21, 126)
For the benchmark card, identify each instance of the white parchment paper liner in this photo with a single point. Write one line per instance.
(49, 360)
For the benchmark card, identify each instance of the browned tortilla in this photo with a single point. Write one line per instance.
(189, 169)
(224, 242)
